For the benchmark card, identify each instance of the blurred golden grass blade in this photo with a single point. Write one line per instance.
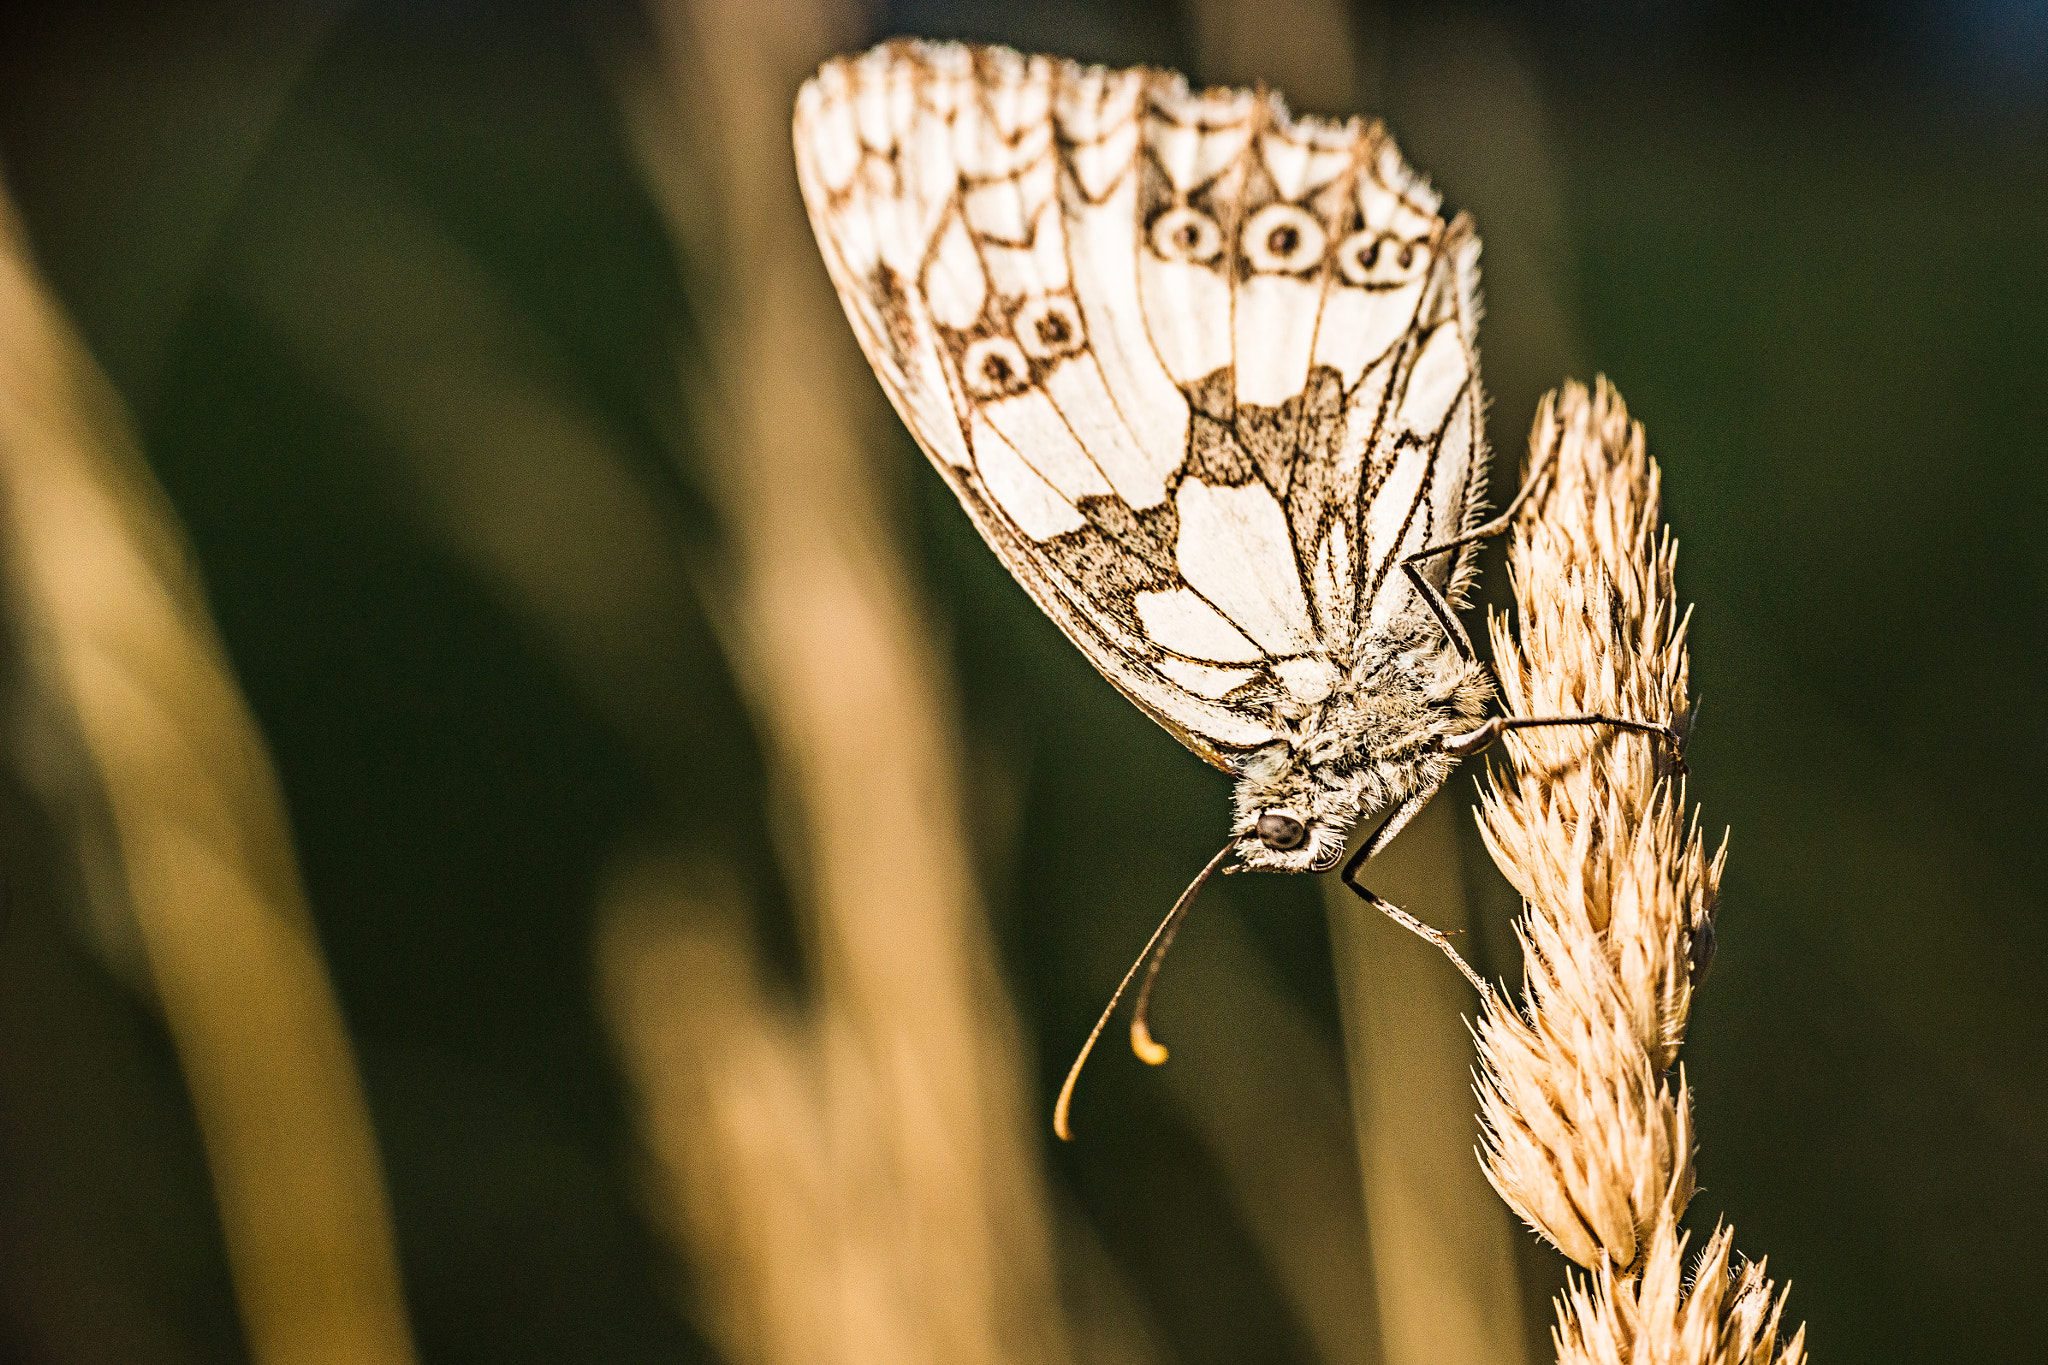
(531, 491)
(1468, 108)
(158, 120)
(116, 631)
(857, 1177)
(490, 453)
(1302, 48)
(1588, 1135)
(1108, 1324)
(1443, 1258)
(727, 1078)
(1266, 1095)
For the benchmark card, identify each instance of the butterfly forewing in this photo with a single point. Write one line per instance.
(1201, 373)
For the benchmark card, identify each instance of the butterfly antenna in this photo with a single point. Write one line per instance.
(1154, 952)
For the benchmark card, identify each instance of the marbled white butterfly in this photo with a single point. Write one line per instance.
(1203, 375)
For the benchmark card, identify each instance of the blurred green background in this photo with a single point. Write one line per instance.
(1807, 241)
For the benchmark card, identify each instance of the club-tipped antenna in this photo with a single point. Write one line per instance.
(1154, 952)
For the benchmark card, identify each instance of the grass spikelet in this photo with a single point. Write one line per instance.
(157, 770)
(1724, 1313)
(1587, 1124)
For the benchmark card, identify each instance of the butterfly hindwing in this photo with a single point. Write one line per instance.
(1199, 372)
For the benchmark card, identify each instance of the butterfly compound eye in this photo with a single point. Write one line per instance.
(1282, 832)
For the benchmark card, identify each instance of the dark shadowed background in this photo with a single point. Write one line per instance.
(1808, 242)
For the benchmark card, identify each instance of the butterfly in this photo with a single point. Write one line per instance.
(1203, 374)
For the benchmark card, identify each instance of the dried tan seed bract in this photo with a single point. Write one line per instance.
(1588, 1130)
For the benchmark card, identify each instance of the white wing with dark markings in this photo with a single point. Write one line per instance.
(1200, 372)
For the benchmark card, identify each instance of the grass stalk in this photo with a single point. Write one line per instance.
(1588, 1130)
(119, 643)
(854, 1175)
(1444, 1272)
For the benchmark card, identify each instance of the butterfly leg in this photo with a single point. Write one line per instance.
(1441, 609)
(1464, 746)
(1403, 813)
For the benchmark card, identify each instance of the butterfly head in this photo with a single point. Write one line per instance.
(1299, 797)
(1293, 813)
(1289, 839)
(1293, 837)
